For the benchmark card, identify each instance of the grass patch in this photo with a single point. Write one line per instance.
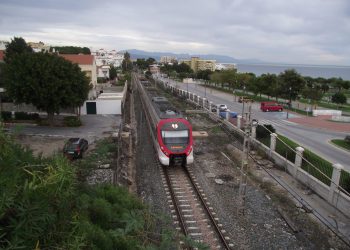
(341, 143)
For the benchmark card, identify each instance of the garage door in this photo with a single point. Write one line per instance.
(91, 108)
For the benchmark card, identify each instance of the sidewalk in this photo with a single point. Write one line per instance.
(323, 122)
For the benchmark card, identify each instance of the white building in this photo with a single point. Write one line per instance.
(3, 45)
(103, 71)
(105, 57)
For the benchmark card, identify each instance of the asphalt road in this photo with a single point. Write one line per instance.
(315, 139)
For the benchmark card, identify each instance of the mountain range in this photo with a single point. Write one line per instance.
(139, 54)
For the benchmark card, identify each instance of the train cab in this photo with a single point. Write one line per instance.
(175, 141)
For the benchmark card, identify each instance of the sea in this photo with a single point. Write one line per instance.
(304, 70)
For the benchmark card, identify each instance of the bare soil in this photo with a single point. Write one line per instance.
(42, 144)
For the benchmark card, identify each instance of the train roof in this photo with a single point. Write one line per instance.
(164, 108)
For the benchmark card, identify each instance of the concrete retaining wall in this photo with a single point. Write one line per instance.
(317, 112)
(341, 118)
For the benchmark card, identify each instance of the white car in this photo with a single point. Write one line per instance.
(221, 107)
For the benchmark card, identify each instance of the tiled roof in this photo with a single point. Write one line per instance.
(79, 59)
(2, 54)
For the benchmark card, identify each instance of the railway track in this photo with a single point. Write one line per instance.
(192, 213)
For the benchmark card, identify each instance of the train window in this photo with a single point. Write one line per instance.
(175, 137)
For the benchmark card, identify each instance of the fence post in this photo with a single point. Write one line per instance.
(254, 132)
(239, 120)
(337, 168)
(210, 106)
(273, 141)
(298, 160)
(198, 99)
(227, 115)
(204, 103)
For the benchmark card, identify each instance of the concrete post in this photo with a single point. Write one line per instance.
(254, 132)
(337, 168)
(298, 160)
(273, 141)
(198, 100)
(204, 103)
(227, 115)
(239, 121)
(210, 106)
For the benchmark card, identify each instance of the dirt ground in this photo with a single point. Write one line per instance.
(41, 144)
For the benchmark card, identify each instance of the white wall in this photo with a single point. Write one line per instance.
(105, 107)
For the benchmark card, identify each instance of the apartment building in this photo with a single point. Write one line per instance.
(108, 57)
(197, 64)
(168, 59)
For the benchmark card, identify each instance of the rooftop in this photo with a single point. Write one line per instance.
(79, 59)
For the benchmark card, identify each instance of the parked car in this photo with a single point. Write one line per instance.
(75, 147)
(271, 106)
(221, 107)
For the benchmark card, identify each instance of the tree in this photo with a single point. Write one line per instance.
(71, 50)
(17, 46)
(204, 74)
(47, 81)
(339, 98)
(112, 72)
(126, 64)
(290, 84)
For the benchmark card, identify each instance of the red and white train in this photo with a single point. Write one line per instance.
(170, 131)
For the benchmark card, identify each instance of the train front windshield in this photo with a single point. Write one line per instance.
(175, 137)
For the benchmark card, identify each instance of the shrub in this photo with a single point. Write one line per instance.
(6, 115)
(72, 121)
(26, 116)
(347, 139)
(264, 131)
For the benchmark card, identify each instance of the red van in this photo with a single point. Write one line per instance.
(270, 106)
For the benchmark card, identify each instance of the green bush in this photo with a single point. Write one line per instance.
(6, 115)
(26, 116)
(72, 121)
(264, 131)
(321, 164)
(286, 148)
(345, 180)
(43, 205)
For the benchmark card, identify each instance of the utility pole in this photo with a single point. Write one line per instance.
(245, 155)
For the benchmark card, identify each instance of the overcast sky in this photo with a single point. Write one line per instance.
(289, 31)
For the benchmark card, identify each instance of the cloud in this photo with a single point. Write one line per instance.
(291, 31)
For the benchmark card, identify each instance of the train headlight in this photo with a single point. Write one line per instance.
(164, 151)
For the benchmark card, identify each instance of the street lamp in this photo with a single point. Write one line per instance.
(290, 101)
(2, 90)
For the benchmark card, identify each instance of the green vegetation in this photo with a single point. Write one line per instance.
(144, 64)
(289, 85)
(126, 63)
(45, 204)
(341, 143)
(71, 50)
(72, 121)
(53, 83)
(177, 70)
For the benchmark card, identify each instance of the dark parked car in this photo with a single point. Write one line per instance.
(75, 147)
